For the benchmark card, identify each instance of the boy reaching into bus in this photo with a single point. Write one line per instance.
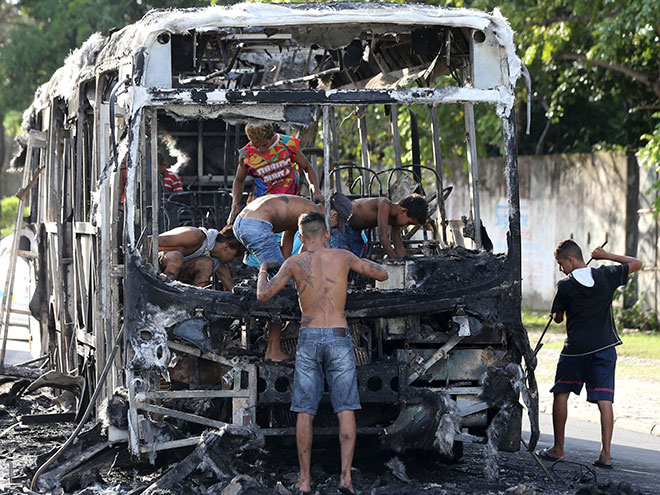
(383, 213)
(325, 350)
(192, 254)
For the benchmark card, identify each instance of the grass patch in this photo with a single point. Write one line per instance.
(535, 321)
(644, 345)
(639, 345)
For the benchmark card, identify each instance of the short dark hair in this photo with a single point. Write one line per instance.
(568, 248)
(416, 206)
(312, 224)
(227, 236)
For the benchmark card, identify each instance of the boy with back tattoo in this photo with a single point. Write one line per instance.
(320, 275)
(256, 226)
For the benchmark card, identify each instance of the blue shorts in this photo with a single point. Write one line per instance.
(352, 239)
(321, 351)
(257, 236)
(595, 370)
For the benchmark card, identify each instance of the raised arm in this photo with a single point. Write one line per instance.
(384, 207)
(634, 264)
(310, 175)
(368, 268)
(237, 192)
(268, 288)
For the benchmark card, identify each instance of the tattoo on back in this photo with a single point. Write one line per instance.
(285, 199)
(305, 266)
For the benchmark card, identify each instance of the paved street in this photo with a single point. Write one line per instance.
(636, 455)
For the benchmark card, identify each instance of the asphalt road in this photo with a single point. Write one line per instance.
(636, 456)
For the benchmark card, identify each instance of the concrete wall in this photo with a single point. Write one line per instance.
(583, 196)
(649, 242)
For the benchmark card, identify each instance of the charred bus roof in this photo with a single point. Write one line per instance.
(258, 52)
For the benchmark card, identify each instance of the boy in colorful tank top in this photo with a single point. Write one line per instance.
(274, 162)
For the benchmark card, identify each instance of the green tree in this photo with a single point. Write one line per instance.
(9, 17)
(8, 209)
(595, 66)
(50, 29)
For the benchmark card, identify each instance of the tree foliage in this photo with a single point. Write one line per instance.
(595, 66)
(48, 30)
(8, 209)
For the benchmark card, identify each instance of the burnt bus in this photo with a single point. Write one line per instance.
(439, 345)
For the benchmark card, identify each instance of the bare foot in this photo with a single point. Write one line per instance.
(276, 356)
(303, 487)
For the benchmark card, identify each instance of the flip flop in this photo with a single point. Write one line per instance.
(543, 454)
(344, 490)
(297, 491)
(602, 465)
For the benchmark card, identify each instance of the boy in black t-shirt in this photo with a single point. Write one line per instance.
(589, 354)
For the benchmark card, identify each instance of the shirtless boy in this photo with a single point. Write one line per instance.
(383, 213)
(321, 275)
(257, 225)
(192, 254)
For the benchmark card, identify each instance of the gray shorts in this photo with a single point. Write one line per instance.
(322, 350)
(257, 236)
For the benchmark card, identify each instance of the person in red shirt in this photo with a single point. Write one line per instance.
(171, 180)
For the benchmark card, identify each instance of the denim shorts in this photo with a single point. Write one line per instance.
(257, 236)
(351, 240)
(320, 351)
(595, 370)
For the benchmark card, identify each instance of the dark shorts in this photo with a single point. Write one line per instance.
(320, 351)
(595, 370)
(350, 240)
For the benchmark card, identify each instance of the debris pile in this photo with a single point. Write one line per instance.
(236, 460)
(428, 419)
(501, 388)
